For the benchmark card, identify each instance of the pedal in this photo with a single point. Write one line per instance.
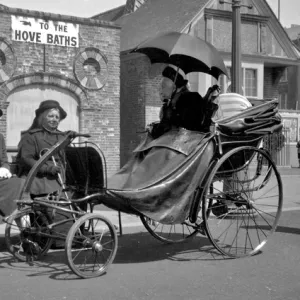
(31, 248)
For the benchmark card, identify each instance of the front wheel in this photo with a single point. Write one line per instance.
(91, 245)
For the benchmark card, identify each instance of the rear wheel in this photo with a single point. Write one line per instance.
(244, 207)
(91, 245)
(27, 234)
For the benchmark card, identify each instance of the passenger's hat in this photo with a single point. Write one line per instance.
(50, 104)
(170, 73)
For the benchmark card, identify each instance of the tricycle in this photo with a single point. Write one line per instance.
(236, 204)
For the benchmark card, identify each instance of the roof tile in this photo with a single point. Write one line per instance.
(157, 16)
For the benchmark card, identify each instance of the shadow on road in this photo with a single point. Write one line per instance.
(133, 248)
(290, 230)
(141, 247)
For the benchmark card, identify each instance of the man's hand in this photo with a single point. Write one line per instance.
(5, 173)
(53, 170)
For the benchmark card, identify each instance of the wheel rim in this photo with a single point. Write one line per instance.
(169, 233)
(245, 206)
(91, 246)
(24, 235)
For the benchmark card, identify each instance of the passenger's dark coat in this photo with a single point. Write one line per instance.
(160, 178)
(30, 146)
(9, 188)
(186, 110)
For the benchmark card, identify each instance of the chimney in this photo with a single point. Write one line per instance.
(133, 5)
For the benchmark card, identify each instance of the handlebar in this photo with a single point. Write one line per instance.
(74, 134)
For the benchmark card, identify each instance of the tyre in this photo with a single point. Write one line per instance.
(27, 235)
(91, 245)
(169, 234)
(243, 209)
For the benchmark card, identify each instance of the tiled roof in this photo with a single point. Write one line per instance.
(111, 15)
(157, 16)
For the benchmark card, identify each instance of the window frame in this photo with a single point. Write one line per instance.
(223, 81)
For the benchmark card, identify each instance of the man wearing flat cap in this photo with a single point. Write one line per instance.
(41, 135)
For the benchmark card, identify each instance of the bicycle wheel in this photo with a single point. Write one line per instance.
(244, 208)
(91, 245)
(27, 235)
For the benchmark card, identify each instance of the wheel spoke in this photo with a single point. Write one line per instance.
(99, 242)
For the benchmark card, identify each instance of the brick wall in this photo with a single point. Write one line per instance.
(132, 104)
(100, 109)
(140, 101)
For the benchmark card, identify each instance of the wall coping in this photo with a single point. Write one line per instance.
(57, 17)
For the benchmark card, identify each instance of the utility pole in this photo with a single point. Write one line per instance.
(236, 50)
(279, 10)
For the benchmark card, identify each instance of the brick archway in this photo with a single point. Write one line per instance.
(46, 78)
(41, 78)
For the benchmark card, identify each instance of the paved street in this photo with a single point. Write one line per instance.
(146, 269)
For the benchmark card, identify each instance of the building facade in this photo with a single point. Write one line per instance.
(72, 60)
(266, 53)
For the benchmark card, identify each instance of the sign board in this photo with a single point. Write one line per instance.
(44, 32)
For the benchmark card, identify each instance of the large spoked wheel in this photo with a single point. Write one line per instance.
(244, 208)
(91, 245)
(27, 234)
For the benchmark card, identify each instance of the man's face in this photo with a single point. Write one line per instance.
(52, 119)
(167, 87)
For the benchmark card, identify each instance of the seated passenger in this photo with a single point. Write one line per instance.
(10, 187)
(165, 169)
(181, 107)
(161, 177)
(41, 135)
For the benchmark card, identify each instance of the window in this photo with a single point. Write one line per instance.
(249, 82)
